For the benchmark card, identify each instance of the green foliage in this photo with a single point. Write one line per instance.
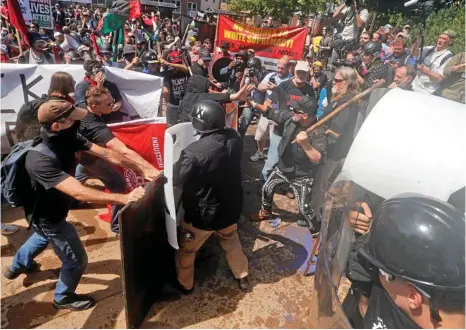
(281, 10)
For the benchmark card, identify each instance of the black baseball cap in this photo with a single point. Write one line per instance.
(305, 104)
(204, 54)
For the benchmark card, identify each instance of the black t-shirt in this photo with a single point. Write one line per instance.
(322, 79)
(382, 312)
(294, 160)
(95, 130)
(288, 91)
(45, 173)
(176, 83)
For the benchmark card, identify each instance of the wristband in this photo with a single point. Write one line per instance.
(253, 104)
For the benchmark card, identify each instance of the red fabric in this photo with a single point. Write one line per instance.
(92, 82)
(17, 20)
(70, 99)
(267, 42)
(147, 21)
(134, 9)
(147, 139)
(5, 58)
(56, 55)
(94, 44)
(5, 11)
(100, 26)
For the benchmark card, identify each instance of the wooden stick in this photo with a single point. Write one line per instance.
(343, 106)
(20, 46)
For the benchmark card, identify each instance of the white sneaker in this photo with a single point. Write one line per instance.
(9, 229)
(257, 156)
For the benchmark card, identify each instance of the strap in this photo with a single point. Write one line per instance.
(446, 58)
(45, 150)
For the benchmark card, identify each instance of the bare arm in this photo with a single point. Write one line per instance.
(337, 13)
(312, 153)
(114, 157)
(435, 77)
(261, 107)
(74, 188)
(148, 169)
(315, 83)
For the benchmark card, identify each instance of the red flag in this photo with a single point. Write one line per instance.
(17, 20)
(134, 9)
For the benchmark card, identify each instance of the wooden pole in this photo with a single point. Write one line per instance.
(343, 106)
(216, 31)
(20, 46)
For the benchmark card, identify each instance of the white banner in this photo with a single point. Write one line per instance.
(26, 11)
(21, 83)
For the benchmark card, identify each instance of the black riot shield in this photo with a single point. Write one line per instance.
(147, 258)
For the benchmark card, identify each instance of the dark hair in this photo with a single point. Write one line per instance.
(61, 84)
(383, 38)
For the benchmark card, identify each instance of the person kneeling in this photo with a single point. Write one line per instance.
(298, 162)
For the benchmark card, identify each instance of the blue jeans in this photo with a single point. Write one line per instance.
(92, 167)
(67, 246)
(272, 157)
(246, 120)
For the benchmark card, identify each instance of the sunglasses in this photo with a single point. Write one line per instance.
(337, 81)
(298, 112)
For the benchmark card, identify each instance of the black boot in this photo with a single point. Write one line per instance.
(35, 267)
(75, 302)
(243, 283)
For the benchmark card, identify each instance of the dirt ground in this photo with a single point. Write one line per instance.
(279, 298)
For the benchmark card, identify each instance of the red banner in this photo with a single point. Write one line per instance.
(147, 139)
(268, 43)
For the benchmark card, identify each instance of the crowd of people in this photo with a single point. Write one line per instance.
(284, 103)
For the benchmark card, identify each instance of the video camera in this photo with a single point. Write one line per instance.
(355, 63)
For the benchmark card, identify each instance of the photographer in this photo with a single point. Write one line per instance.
(234, 68)
(352, 17)
(253, 74)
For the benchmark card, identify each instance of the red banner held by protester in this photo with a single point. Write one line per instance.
(146, 137)
(268, 43)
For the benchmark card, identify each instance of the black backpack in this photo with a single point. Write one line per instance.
(15, 179)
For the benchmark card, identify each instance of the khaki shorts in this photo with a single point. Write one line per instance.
(264, 129)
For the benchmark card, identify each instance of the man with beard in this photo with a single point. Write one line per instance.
(98, 103)
(404, 77)
(283, 94)
(363, 39)
(233, 70)
(37, 54)
(452, 87)
(340, 136)
(433, 62)
(298, 162)
(51, 167)
(398, 57)
(209, 171)
(376, 69)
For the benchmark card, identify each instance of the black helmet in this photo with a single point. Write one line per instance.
(420, 240)
(106, 48)
(149, 57)
(208, 116)
(254, 63)
(373, 48)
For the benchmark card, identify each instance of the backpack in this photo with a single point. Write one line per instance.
(431, 51)
(16, 182)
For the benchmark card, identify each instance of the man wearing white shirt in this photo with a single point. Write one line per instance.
(265, 126)
(433, 62)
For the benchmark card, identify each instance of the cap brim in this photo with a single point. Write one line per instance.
(78, 114)
(294, 104)
(206, 58)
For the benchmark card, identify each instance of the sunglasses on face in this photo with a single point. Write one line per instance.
(338, 80)
(298, 112)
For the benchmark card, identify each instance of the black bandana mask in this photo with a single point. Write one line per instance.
(61, 141)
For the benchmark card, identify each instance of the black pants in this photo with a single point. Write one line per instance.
(173, 116)
(302, 188)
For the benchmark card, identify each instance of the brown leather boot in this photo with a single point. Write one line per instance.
(261, 216)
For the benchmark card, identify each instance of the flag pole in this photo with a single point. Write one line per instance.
(19, 42)
(216, 31)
